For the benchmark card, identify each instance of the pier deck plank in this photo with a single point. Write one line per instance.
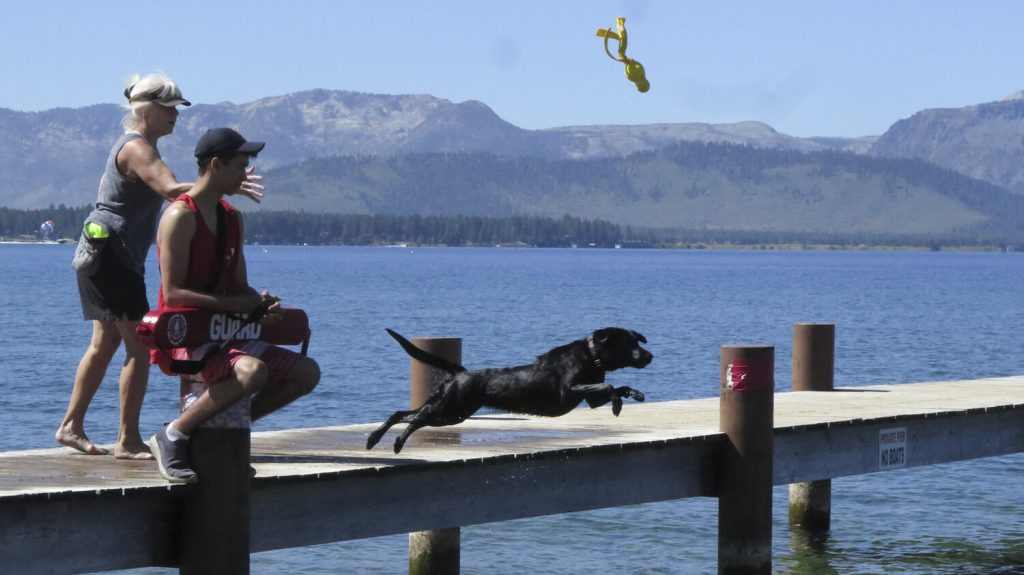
(319, 485)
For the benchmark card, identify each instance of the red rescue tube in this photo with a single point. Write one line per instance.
(189, 327)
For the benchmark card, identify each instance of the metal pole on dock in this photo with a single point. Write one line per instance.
(746, 406)
(215, 515)
(814, 351)
(438, 551)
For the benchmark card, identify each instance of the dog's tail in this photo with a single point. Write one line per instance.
(424, 356)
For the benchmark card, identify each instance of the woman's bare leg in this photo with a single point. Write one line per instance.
(133, 382)
(88, 377)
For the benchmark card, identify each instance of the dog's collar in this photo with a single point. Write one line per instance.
(592, 351)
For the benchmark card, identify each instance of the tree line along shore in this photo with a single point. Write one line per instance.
(303, 228)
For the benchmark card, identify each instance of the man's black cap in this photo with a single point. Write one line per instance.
(224, 142)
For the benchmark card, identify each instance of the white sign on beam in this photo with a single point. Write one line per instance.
(892, 448)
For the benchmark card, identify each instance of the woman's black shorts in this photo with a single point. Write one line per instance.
(114, 293)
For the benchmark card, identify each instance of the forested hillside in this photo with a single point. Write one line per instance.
(352, 229)
(289, 228)
(686, 186)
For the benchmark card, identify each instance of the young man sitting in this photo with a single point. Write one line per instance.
(202, 265)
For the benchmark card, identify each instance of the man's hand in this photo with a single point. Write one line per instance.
(274, 313)
(251, 187)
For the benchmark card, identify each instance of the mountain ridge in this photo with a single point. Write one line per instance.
(983, 141)
(318, 123)
(54, 157)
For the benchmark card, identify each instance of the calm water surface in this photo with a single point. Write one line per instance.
(900, 317)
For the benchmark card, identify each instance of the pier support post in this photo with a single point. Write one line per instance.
(746, 416)
(814, 348)
(215, 512)
(434, 552)
(215, 516)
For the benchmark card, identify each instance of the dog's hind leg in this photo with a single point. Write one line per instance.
(442, 409)
(426, 416)
(397, 417)
(409, 429)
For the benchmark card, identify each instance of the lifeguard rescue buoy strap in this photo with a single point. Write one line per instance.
(194, 366)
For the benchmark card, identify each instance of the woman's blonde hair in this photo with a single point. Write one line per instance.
(144, 91)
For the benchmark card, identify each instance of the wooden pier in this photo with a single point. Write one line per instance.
(63, 512)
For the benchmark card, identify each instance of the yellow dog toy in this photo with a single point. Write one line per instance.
(634, 69)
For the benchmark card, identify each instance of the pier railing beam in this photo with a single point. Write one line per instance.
(746, 417)
(438, 551)
(814, 349)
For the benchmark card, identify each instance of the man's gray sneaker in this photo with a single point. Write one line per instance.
(172, 458)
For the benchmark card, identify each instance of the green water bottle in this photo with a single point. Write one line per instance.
(96, 231)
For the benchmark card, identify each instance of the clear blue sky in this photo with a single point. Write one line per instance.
(807, 68)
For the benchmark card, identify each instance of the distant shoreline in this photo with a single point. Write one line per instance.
(779, 247)
(841, 247)
(302, 228)
(767, 247)
(59, 241)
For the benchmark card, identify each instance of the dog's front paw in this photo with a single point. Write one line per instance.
(634, 394)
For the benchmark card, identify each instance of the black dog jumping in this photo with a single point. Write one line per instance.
(553, 385)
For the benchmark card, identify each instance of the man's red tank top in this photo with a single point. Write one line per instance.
(208, 271)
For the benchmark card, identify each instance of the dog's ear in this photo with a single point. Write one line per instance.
(639, 336)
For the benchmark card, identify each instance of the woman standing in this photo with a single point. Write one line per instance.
(110, 261)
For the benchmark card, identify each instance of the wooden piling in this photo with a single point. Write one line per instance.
(746, 405)
(438, 551)
(810, 503)
(814, 352)
(215, 514)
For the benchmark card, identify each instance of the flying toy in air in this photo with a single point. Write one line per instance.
(634, 69)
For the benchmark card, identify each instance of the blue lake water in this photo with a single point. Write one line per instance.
(900, 317)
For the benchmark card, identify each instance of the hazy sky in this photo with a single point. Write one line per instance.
(807, 68)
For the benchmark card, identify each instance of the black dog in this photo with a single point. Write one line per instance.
(553, 385)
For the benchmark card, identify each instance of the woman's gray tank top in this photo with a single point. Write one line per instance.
(129, 208)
